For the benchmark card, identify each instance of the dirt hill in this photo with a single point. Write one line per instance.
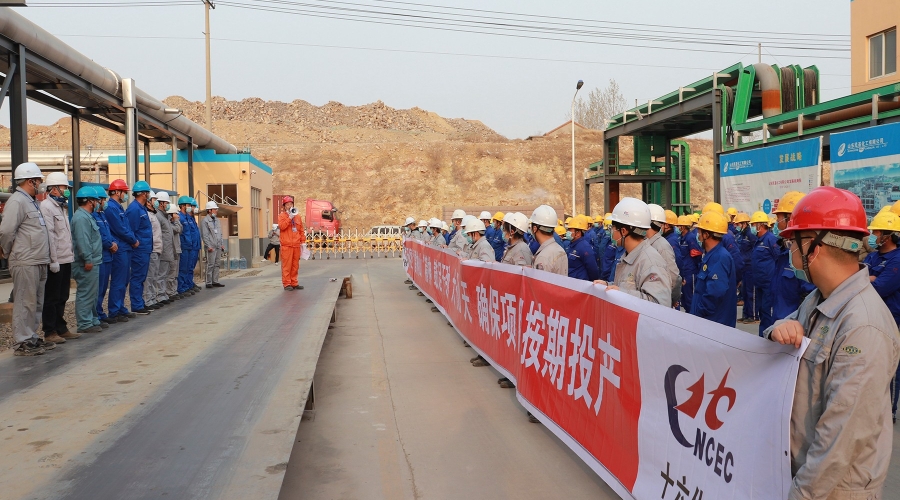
(379, 164)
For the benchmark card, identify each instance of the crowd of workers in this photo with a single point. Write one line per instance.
(816, 268)
(148, 246)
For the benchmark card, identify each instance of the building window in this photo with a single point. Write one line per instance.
(255, 209)
(883, 53)
(223, 193)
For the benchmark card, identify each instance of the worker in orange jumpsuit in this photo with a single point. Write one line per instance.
(292, 237)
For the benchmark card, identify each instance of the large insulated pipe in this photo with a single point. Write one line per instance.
(836, 116)
(19, 29)
(771, 89)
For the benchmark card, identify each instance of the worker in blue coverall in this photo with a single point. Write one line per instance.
(198, 242)
(884, 273)
(582, 262)
(139, 221)
(120, 272)
(496, 239)
(715, 290)
(109, 248)
(746, 241)
(765, 255)
(186, 264)
(601, 241)
(788, 291)
(691, 255)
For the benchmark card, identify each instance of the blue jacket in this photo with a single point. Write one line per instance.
(746, 240)
(139, 220)
(533, 244)
(765, 253)
(732, 247)
(787, 291)
(496, 241)
(672, 238)
(105, 236)
(119, 226)
(608, 262)
(886, 269)
(189, 232)
(449, 236)
(617, 255)
(690, 264)
(582, 262)
(715, 290)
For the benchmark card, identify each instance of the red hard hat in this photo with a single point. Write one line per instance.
(287, 199)
(118, 185)
(828, 208)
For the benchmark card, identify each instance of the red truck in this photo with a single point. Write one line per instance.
(321, 216)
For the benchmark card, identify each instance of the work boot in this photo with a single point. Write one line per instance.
(288, 288)
(130, 314)
(413, 287)
(474, 359)
(420, 294)
(69, 335)
(428, 301)
(104, 325)
(218, 285)
(54, 338)
(45, 345)
(209, 285)
(480, 362)
(28, 348)
(507, 384)
(197, 288)
(408, 282)
(434, 309)
(122, 319)
(298, 287)
(110, 321)
(466, 344)
(533, 419)
(142, 312)
(93, 329)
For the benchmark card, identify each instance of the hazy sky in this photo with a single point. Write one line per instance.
(526, 91)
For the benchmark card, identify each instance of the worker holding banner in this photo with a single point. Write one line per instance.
(715, 289)
(549, 255)
(840, 430)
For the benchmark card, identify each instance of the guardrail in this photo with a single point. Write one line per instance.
(352, 244)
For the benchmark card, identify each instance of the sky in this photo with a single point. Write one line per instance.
(524, 88)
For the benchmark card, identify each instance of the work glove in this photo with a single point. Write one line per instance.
(54, 267)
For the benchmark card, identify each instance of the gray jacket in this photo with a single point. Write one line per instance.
(437, 240)
(664, 248)
(168, 244)
(177, 229)
(59, 233)
(518, 255)
(23, 232)
(552, 258)
(483, 251)
(211, 230)
(458, 243)
(642, 273)
(841, 428)
(275, 236)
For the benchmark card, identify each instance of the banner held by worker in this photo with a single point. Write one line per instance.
(866, 162)
(754, 180)
(656, 402)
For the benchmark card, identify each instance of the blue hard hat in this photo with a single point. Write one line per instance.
(193, 202)
(184, 200)
(140, 186)
(86, 192)
(101, 193)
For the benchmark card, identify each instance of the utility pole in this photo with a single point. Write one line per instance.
(209, 5)
(759, 51)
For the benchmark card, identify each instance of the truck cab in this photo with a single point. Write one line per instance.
(322, 217)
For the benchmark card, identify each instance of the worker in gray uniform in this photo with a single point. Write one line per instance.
(150, 292)
(172, 276)
(419, 233)
(549, 256)
(435, 237)
(25, 243)
(641, 271)
(518, 253)
(664, 248)
(213, 242)
(840, 430)
(167, 252)
(458, 237)
(481, 247)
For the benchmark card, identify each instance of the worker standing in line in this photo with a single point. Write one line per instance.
(496, 239)
(152, 280)
(840, 430)
(485, 218)
(746, 240)
(641, 270)
(481, 247)
(518, 253)
(56, 290)
(884, 273)
(788, 291)
(601, 240)
(167, 253)
(661, 244)
(445, 231)
(185, 265)
(715, 289)
(671, 235)
(175, 267)
(127, 243)
(582, 262)
(197, 243)
(110, 247)
(408, 227)
(292, 239)
(730, 214)
(728, 241)
(214, 244)
(765, 254)
(458, 239)
(420, 232)
(87, 248)
(691, 256)
(433, 235)
(139, 221)
(274, 243)
(25, 243)
(549, 256)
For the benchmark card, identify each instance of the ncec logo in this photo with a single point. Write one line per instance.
(707, 449)
(725, 167)
(842, 149)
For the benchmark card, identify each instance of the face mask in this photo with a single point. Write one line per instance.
(39, 188)
(753, 230)
(102, 206)
(873, 241)
(596, 225)
(406, 229)
(775, 230)
(59, 199)
(469, 239)
(155, 204)
(196, 210)
(66, 193)
(699, 241)
(124, 198)
(800, 274)
(568, 235)
(421, 230)
(678, 231)
(505, 238)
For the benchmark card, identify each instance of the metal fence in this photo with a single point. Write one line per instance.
(353, 244)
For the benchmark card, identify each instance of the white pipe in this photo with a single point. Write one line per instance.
(770, 87)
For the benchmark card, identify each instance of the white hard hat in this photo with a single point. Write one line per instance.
(474, 226)
(444, 226)
(458, 214)
(632, 212)
(28, 171)
(423, 223)
(171, 210)
(211, 205)
(507, 217)
(519, 221)
(544, 216)
(409, 220)
(657, 213)
(435, 222)
(485, 215)
(274, 226)
(162, 196)
(152, 195)
(467, 219)
(57, 179)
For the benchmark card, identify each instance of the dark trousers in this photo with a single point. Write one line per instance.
(269, 248)
(56, 293)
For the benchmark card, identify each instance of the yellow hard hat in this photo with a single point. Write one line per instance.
(742, 217)
(560, 230)
(568, 221)
(787, 202)
(713, 222)
(580, 222)
(772, 220)
(684, 220)
(714, 207)
(607, 220)
(886, 208)
(732, 211)
(695, 218)
(499, 216)
(896, 208)
(759, 217)
(598, 218)
(885, 221)
(607, 215)
(559, 222)
(671, 218)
